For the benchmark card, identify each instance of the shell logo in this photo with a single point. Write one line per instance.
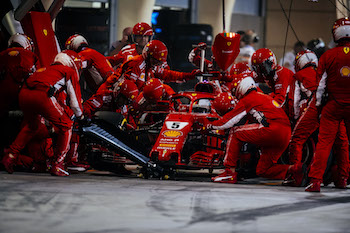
(194, 94)
(277, 105)
(13, 53)
(172, 133)
(346, 50)
(345, 71)
(229, 43)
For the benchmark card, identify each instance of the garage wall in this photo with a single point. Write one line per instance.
(244, 22)
(309, 19)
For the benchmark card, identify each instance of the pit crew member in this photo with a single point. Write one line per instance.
(278, 78)
(53, 93)
(333, 72)
(96, 67)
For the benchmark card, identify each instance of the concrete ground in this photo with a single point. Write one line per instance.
(103, 202)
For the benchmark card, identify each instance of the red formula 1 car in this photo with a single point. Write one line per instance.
(172, 139)
(175, 139)
(181, 142)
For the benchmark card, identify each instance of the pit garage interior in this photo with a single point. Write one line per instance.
(102, 201)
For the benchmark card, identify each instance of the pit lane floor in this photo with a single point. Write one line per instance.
(103, 202)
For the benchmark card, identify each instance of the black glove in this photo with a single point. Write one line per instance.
(83, 120)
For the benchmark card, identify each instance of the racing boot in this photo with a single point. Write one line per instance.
(314, 185)
(341, 183)
(295, 176)
(9, 161)
(227, 176)
(58, 169)
(78, 166)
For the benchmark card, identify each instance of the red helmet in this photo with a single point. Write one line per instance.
(153, 89)
(304, 59)
(21, 40)
(341, 29)
(225, 49)
(69, 58)
(76, 42)
(142, 29)
(239, 68)
(155, 49)
(264, 62)
(241, 84)
(129, 89)
(224, 102)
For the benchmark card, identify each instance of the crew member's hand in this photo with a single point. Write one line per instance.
(195, 53)
(83, 120)
(202, 46)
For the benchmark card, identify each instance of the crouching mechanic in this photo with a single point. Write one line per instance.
(154, 93)
(116, 99)
(154, 97)
(53, 93)
(268, 128)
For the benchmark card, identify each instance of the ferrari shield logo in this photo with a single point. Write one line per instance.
(45, 32)
(346, 50)
(229, 43)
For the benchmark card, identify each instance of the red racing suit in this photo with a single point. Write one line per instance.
(269, 129)
(333, 72)
(309, 120)
(102, 98)
(127, 52)
(142, 104)
(137, 70)
(305, 86)
(46, 94)
(98, 67)
(16, 65)
(282, 87)
(195, 58)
